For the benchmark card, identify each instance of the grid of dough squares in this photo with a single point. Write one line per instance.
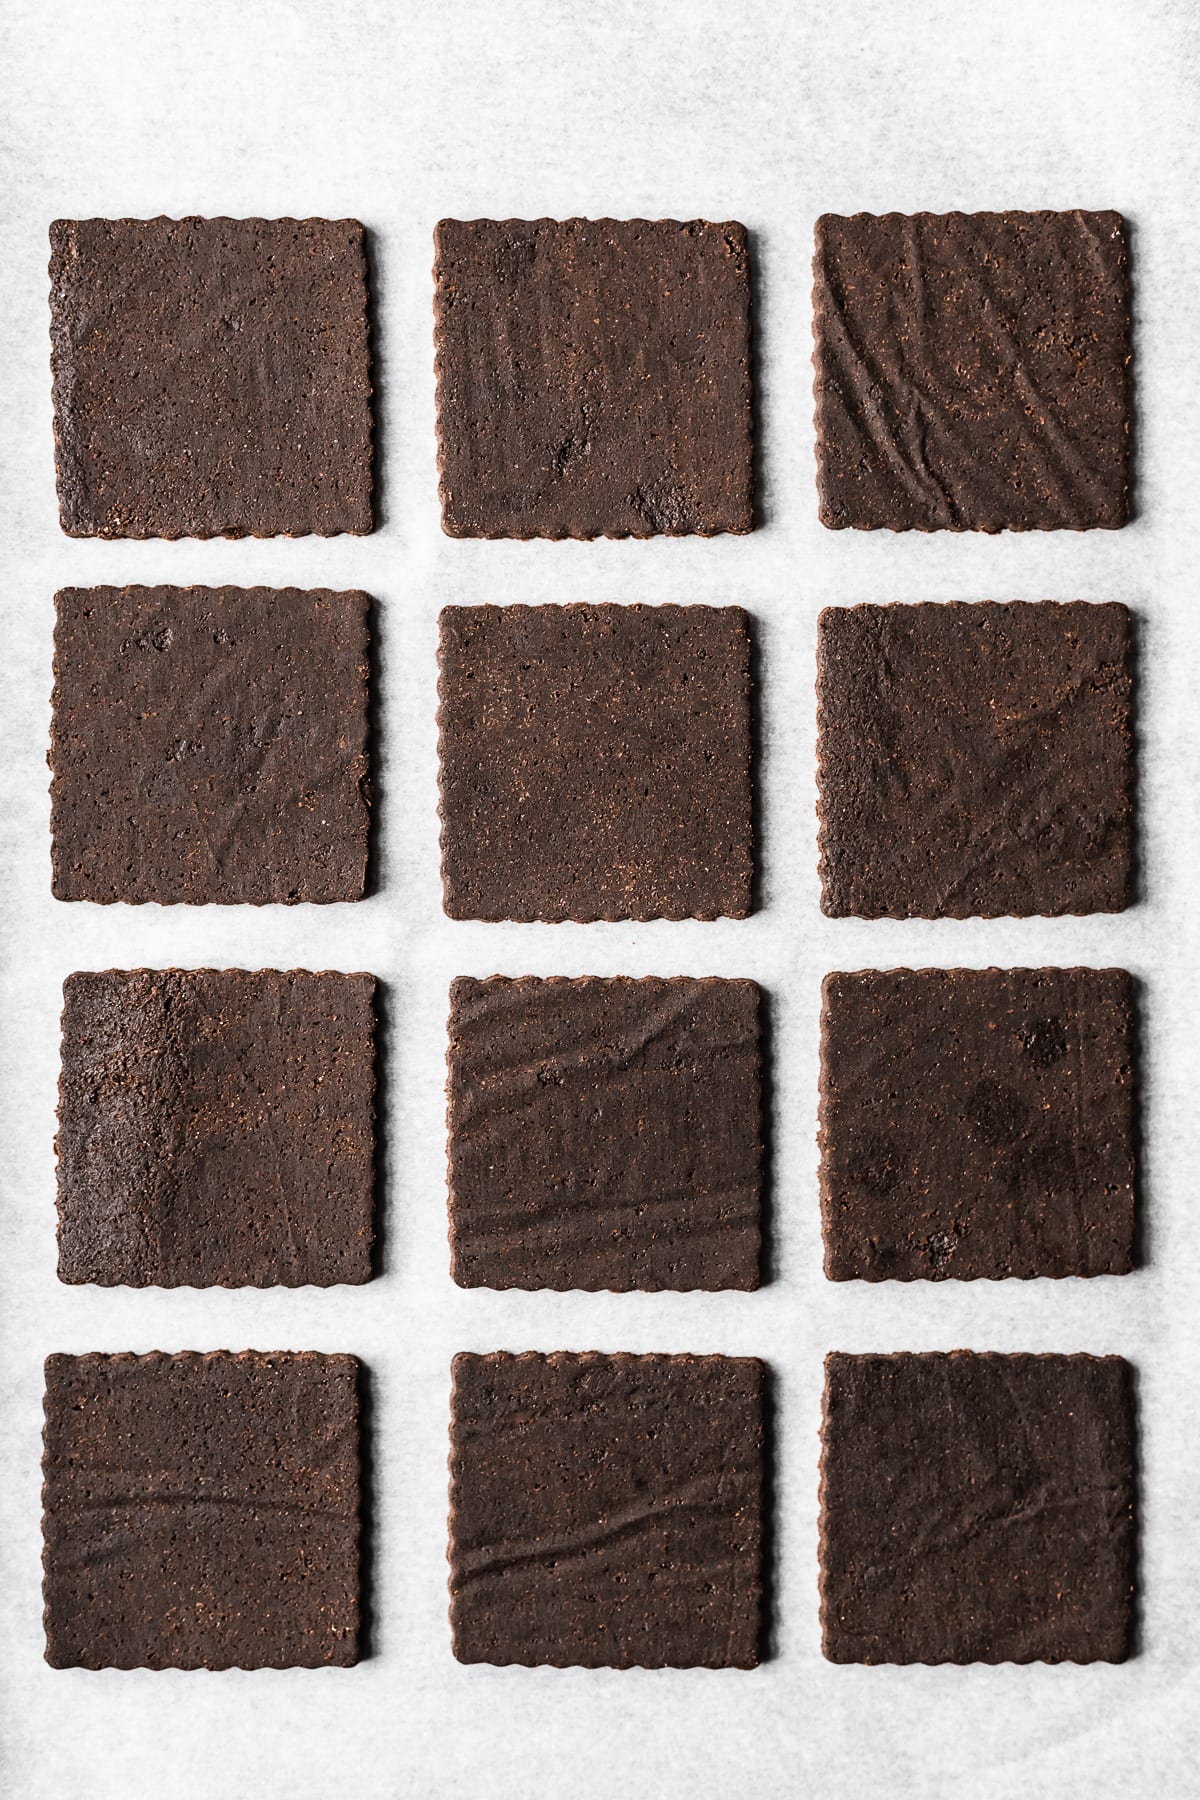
(216, 1126)
(595, 763)
(972, 373)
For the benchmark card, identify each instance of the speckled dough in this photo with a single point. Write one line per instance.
(216, 1127)
(977, 1508)
(211, 377)
(977, 1122)
(604, 1134)
(973, 371)
(201, 1511)
(607, 1511)
(210, 745)
(595, 762)
(593, 377)
(975, 760)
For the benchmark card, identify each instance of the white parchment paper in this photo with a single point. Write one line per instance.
(749, 109)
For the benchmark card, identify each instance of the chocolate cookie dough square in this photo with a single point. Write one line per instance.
(605, 1134)
(973, 371)
(975, 760)
(977, 1122)
(201, 1512)
(607, 1511)
(595, 762)
(210, 745)
(593, 378)
(977, 1508)
(211, 377)
(216, 1128)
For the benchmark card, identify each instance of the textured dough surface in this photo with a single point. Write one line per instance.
(210, 745)
(595, 762)
(201, 1511)
(606, 1511)
(216, 1127)
(977, 1122)
(593, 377)
(977, 1508)
(975, 759)
(972, 371)
(605, 1133)
(211, 377)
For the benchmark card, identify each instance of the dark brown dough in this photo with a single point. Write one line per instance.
(595, 762)
(973, 371)
(201, 1511)
(593, 377)
(604, 1134)
(211, 377)
(975, 759)
(977, 1122)
(606, 1511)
(210, 745)
(216, 1128)
(977, 1508)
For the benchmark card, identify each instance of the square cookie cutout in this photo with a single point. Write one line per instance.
(977, 1508)
(210, 745)
(607, 1511)
(595, 762)
(201, 1511)
(975, 759)
(593, 378)
(973, 371)
(977, 1122)
(216, 1128)
(605, 1133)
(211, 377)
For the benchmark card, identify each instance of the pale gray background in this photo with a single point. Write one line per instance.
(743, 109)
